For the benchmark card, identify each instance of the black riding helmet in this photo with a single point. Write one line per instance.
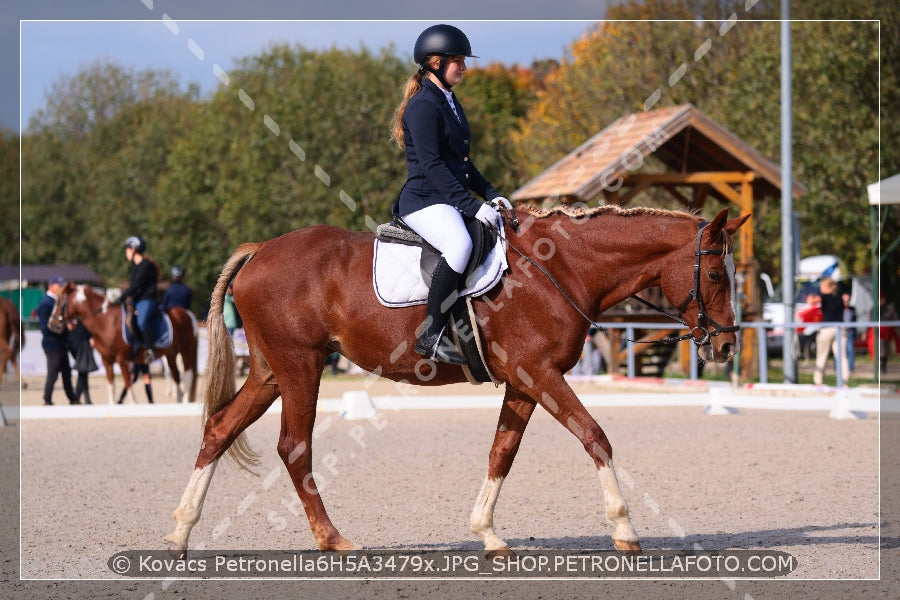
(136, 242)
(444, 41)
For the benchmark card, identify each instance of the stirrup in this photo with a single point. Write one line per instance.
(439, 349)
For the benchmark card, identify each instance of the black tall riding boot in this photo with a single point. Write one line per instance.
(441, 296)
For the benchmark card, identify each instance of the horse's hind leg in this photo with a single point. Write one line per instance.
(6, 354)
(221, 429)
(298, 415)
(175, 376)
(514, 415)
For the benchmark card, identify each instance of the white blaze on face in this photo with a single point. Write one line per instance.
(80, 296)
(732, 276)
(731, 271)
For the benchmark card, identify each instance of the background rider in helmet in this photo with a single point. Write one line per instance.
(142, 290)
(430, 125)
(178, 293)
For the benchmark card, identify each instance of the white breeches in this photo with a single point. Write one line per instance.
(442, 226)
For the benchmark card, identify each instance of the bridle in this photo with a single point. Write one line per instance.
(712, 328)
(702, 316)
(63, 309)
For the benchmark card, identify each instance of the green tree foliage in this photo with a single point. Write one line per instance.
(730, 69)
(296, 138)
(9, 197)
(496, 98)
(91, 163)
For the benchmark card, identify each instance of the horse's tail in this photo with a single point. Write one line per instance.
(220, 385)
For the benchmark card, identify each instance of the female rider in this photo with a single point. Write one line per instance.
(430, 125)
(142, 291)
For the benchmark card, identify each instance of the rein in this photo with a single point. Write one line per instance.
(694, 294)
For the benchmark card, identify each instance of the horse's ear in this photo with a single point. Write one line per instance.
(715, 226)
(721, 222)
(734, 224)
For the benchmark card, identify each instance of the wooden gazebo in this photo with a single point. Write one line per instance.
(697, 159)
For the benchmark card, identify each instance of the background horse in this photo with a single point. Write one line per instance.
(10, 335)
(309, 293)
(104, 320)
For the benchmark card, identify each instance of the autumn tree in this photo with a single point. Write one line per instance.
(91, 160)
(9, 197)
(730, 69)
(294, 138)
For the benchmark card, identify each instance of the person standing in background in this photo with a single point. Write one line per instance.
(81, 346)
(849, 319)
(178, 293)
(827, 339)
(54, 344)
(230, 312)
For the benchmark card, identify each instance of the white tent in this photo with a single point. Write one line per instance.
(886, 191)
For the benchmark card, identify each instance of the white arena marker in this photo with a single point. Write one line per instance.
(356, 405)
(718, 396)
(842, 401)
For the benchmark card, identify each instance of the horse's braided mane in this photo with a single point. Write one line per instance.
(583, 211)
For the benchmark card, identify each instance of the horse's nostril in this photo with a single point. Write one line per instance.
(728, 349)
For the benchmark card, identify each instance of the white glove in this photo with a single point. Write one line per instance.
(488, 215)
(501, 202)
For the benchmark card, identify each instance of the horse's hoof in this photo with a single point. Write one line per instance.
(341, 545)
(628, 546)
(176, 550)
(504, 551)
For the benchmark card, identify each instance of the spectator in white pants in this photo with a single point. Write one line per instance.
(827, 339)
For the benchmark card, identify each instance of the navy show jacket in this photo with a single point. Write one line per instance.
(437, 155)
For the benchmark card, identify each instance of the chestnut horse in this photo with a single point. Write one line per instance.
(309, 293)
(10, 335)
(103, 320)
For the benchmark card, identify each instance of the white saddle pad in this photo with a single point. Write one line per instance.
(398, 280)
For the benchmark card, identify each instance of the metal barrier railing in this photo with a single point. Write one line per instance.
(761, 326)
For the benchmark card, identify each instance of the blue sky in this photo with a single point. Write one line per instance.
(51, 49)
(57, 37)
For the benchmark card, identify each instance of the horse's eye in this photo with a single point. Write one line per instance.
(714, 275)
